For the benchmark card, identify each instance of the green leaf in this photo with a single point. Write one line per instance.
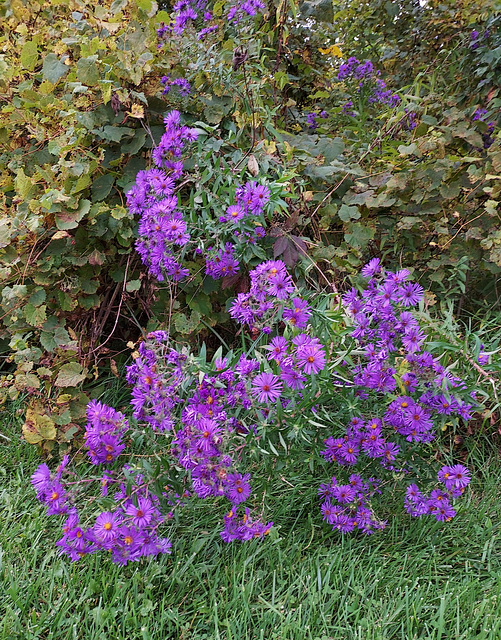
(119, 212)
(449, 191)
(202, 304)
(347, 213)
(114, 134)
(61, 337)
(118, 5)
(148, 6)
(87, 71)
(4, 235)
(136, 143)
(101, 187)
(411, 149)
(29, 55)
(133, 285)
(70, 375)
(65, 301)
(47, 341)
(53, 68)
(186, 325)
(22, 183)
(358, 235)
(35, 316)
(70, 219)
(37, 297)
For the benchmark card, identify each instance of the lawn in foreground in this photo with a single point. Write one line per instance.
(416, 579)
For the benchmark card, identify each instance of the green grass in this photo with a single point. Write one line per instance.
(416, 579)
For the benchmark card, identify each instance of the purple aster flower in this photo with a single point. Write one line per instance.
(410, 294)
(299, 314)
(237, 487)
(483, 358)
(459, 476)
(106, 527)
(234, 213)
(311, 358)
(442, 510)
(372, 268)
(41, 479)
(267, 387)
(348, 452)
(142, 514)
(277, 349)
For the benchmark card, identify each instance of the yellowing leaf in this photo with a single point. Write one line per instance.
(270, 146)
(136, 111)
(334, 50)
(38, 426)
(70, 375)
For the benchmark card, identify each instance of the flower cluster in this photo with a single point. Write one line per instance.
(49, 489)
(347, 506)
(189, 12)
(269, 282)
(182, 83)
(208, 412)
(162, 229)
(487, 137)
(311, 118)
(477, 40)
(103, 433)
(410, 386)
(129, 531)
(200, 418)
(367, 80)
(455, 479)
(242, 222)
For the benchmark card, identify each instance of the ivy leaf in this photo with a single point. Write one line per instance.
(53, 68)
(70, 375)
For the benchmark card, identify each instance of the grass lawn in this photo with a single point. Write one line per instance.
(416, 579)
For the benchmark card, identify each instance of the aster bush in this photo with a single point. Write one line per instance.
(200, 418)
(351, 381)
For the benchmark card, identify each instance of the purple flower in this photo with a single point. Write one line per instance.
(106, 527)
(311, 358)
(41, 479)
(410, 294)
(267, 387)
(299, 314)
(372, 268)
(142, 513)
(237, 487)
(277, 349)
(459, 476)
